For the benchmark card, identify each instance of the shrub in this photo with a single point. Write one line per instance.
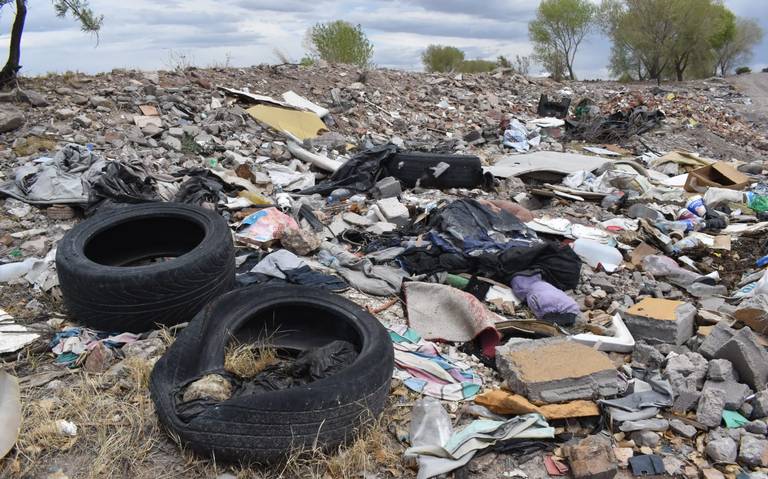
(441, 58)
(340, 42)
(742, 70)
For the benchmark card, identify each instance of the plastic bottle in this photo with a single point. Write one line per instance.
(255, 198)
(703, 290)
(639, 210)
(662, 266)
(686, 225)
(594, 253)
(686, 243)
(762, 261)
(696, 206)
(284, 202)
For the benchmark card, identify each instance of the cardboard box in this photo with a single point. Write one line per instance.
(720, 175)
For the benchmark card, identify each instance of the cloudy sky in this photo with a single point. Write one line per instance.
(149, 34)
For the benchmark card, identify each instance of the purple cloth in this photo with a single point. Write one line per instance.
(546, 301)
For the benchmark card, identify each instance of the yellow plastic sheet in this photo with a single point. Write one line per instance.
(301, 124)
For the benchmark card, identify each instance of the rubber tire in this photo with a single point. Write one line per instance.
(465, 171)
(109, 297)
(264, 427)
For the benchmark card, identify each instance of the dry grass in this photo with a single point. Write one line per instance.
(248, 360)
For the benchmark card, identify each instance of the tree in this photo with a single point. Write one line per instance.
(78, 9)
(340, 42)
(558, 29)
(441, 58)
(737, 47)
(696, 23)
(476, 66)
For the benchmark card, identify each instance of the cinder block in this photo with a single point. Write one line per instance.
(658, 321)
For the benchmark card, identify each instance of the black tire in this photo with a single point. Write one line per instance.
(265, 426)
(465, 171)
(103, 287)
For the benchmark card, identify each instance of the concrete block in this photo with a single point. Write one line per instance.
(645, 438)
(658, 425)
(388, 187)
(658, 321)
(709, 412)
(546, 370)
(394, 211)
(647, 355)
(757, 427)
(748, 357)
(717, 337)
(591, 458)
(686, 371)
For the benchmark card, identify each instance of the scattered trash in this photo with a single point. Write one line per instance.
(10, 412)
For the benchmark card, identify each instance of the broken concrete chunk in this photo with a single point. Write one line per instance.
(753, 450)
(591, 458)
(388, 187)
(647, 355)
(760, 405)
(710, 409)
(717, 337)
(757, 427)
(545, 371)
(356, 219)
(735, 393)
(686, 400)
(748, 357)
(213, 387)
(721, 370)
(686, 371)
(682, 429)
(722, 450)
(660, 321)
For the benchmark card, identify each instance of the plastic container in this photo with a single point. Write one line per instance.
(686, 243)
(762, 261)
(255, 198)
(338, 195)
(684, 225)
(662, 266)
(594, 254)
(284, 202)
(696, 206)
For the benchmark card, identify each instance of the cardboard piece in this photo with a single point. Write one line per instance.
(641, 251)
(720, 175)
(505, 402)
(149, 110)
(656, 308)
(300, 124)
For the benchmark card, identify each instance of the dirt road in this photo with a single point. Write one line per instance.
(755, 86)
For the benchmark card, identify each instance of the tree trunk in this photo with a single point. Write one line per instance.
(570, 72)
(679, 70)
(12, 66)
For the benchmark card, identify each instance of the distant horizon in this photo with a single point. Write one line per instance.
(143, 35)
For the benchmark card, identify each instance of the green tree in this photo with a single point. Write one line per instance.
(340, 42)
(78, 9)
(737, 47)
(503, 62)
(441, 58)
(697, 24)
(558, 29)
(476, 66)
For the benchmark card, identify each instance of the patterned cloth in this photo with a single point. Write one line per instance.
(421, 367)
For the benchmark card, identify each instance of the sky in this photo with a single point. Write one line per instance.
(156, 34)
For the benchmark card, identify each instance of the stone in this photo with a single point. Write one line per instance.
(388, 187)
(757, 427)
(35, 246)
(717, 337)
(721, 370)
(83, 121)
(660, 321)
(623, 454)
(659, 425)
(381, 227)
(300, 241)
(686, 371)
(711, 473)
(735, 393)
(753, 450)
(544, 371)
(591, 458)
(101, 101)
(99, 358)
(682, 429)
(10, 119)
(602, 282)
(356, 219)
(646, 438)
(212, 387)
(191, 130)
(748, 356)
(647, 355)
(393, 211)
(65, 113)
(172, 143)
(760, 405)
(176, 132)
(710, 409)
(723, 450)
(145, 348)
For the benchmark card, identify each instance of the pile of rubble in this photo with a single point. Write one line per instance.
(570, 275)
